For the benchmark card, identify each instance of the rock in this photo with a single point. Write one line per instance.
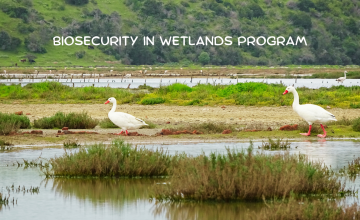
(226, 132)
(223, 106)
(289, 127)
(59, 131)
(269, 129)
(168, 122)
(36, 132)
(19, 113)
(328, 107)
(65, 128)
(28, 114)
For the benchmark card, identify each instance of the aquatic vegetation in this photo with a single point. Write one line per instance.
(356, 124)
(152, 101)
(71, 120)
(11, 123)
(118, 159)
(71, 144)
(275, 145)
(5, 146)
(353, 168)
(238, 175)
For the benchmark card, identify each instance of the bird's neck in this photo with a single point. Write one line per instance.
(114, 107)
(296, 100)
(345, 75)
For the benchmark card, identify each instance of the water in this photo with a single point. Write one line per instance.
(112, 198)
(156, 82)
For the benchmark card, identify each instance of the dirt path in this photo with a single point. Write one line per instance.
(160, 114)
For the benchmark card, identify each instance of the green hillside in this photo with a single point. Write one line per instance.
(331, 29)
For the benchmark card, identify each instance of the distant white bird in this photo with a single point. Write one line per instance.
(50, 71)
(145, 71)
(5, 71)
(165, 71)
(128, 75)
(342, 79)
(111, 71)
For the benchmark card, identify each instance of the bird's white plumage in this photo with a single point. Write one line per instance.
(309, 112)
(342, 79)
(124, 120)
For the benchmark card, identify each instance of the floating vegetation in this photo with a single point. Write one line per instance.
(6, 201)
(71, 144)
(34, 163)
(275, 145)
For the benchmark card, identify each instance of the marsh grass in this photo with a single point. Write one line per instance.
(356, 124)
(11, 123)
(304, 209)
(275, 145)
(205, 127)
(248, 94)
(240, 175)
(71, 144)
(315, 129)
(353, 168)
(71, 120)
(107, 123)
(5, 146)
(119, 159)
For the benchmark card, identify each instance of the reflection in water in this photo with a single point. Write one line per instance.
(112, 191)
(206, 210)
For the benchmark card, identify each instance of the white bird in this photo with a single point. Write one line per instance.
(123, 120)
(5, 71)
(128, 75)
(310, 113)
(342, 79)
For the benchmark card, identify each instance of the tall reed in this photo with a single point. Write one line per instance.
(238, 175)
(116, 160)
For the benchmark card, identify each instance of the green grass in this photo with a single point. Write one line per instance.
(275, 145)
(356, 125)
(349, 75)
(107, 123)
(116, 160)
(71, 120)
(248, 94)
(71, 144)
(10, 123)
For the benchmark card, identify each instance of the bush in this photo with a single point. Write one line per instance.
(152, 101)
(71, 120)
(80, 54)
(10, 123)
(107, 123)
(204, 58)
(118, 159)
(356, 125)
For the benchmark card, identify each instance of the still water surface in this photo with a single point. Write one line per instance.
(129, 198)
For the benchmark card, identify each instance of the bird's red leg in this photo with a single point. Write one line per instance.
(322, 135)
(307, 134)
(120, 133)
(127, 133)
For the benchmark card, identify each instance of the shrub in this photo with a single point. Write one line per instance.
(12, 123)
(204, 58)
(118, 159)
(80, 54)
(107, 123)
(71, 120)
(356, 125)
(152, 101)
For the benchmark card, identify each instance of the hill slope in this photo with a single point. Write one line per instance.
(331, 29)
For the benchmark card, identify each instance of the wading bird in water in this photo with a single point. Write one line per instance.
(310, 113)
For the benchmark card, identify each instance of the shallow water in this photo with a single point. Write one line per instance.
(128, 198)
(157, 82)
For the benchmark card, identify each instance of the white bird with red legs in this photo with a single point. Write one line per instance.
(124, 120)
(310, 113)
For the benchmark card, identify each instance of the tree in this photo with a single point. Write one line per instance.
(204, 58)
(77, 2)
(305, 5)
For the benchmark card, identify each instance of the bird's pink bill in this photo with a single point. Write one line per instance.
(285, 92)
(107, 102)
